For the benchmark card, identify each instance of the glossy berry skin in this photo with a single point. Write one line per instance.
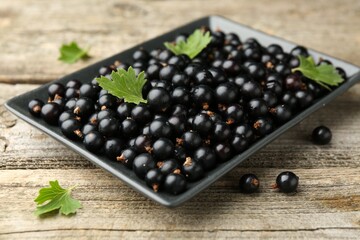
(180, 80)
(202, 96)
(89, 91)
(93, 141)
(304, 98)
(223, 151)
(192, 170)
(87, 128)
(190, 140)
(141, 113)
(35, 106)
(71, 128)
(281, 113)
(206, 157)
(127, 157)
(202, 124)
(160, 128)
(246, 130)
(113, 147)
(84, 107)
(107, 113)
(321, 135)
(270, 98)
(143, 144)
(257, 108)
(263, 126)
(163, 148)
(180, 95)
(107, 101)
(178, 125)
(124, 110)
(239, 143)
(175, 183)
(72, 93)
(109, 127)
(299, 50)
(56, 89)
(67, 115)
(234, 114)
(129, 127)
(154, 179)
(249, 183)
(204, 77)
(50, 112)
(142, 164)
(257, 70)
(221, 132)
(251, 89)
(159, 99)
(73, 83)
(167, 72)
(290, 100)
(287, 182)
(168, 166)
(70, 104)
(226, 93)
(218, 75)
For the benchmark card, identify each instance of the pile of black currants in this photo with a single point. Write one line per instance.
(200, 112)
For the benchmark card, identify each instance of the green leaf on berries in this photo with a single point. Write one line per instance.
(71, 53)
(325, 74)
(125, 85)
(57, 198)
(193, 45)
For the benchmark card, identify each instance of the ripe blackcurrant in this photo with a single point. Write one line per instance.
(321, 135)
(249, 183)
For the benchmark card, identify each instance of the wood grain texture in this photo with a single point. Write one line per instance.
(327, 204)
(34, 30)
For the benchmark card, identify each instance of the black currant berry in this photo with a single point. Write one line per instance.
(56, 89)
(226, 93)
(206, 157)
(321, 135)
(129, 127)
(287, 182)
(93, 141)
(221, 132)
(127, 157)
(192, 170)
(159, 99)
(35, 106)
(160, 128)
(163, 148)
(249, 183)
(175, 183)
(113, 147)
(154, 179)
(239, 143)
(71, 128)
(190, 140)
(84, 107)
(142, 164)
(202, 124)
(109, 127)
(223, 151)
(50, 112)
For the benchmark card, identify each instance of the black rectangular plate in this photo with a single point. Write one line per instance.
(18, 106)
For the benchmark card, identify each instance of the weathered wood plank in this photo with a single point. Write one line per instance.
(25, 147)
(32, 32)
(327, 204)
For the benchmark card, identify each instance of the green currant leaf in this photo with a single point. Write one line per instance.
(56, 198)
(193, 45)
(125, 84)
(325, 75)
(71, 53)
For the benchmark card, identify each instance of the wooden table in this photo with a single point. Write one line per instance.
(327, 204)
